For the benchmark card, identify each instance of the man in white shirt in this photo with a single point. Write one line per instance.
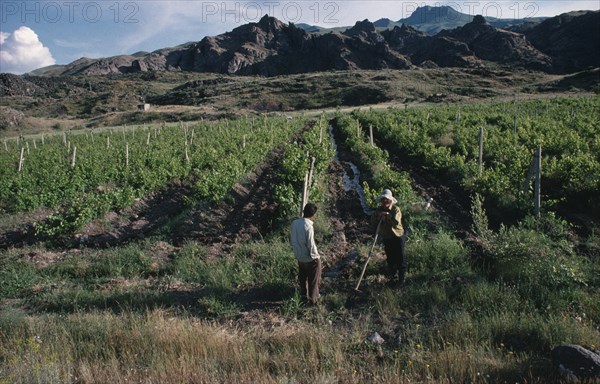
(309, 261)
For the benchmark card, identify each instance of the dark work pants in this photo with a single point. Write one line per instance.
(394, 252)
(309, 279)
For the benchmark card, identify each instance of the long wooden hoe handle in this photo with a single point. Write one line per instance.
(368, 257)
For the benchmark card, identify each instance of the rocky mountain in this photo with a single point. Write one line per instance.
(498, 45)
(572, 40)
(271, 48)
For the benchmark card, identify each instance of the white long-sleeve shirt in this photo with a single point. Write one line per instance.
(302, 237)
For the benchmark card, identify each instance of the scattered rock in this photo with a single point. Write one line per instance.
(376, 338)
(577, 362)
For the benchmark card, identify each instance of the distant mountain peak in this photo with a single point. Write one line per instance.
(427, 13)
(269, 23)
(479, 20)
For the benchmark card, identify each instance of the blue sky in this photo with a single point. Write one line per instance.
(37, 33)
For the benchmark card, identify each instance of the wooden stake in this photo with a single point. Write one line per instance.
(538, 179)
(321, 130)
(127, 155)
(21, 159)
(304, 194)
(480, 159)
(74, 156)
(310, 173)
(371, 135)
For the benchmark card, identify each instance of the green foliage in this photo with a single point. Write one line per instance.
(293, 306)
(126, 262)
(16, 278)
(218, 308)
(528, 257)
(115, 167)
(373, 163)
(437, 140)
(295, 165)
(440, 255)
(187, 263)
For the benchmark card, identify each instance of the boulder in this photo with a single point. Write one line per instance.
(576, 362)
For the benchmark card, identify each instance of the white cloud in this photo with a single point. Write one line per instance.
(22, 51)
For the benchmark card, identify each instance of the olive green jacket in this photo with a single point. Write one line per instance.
(391, 225)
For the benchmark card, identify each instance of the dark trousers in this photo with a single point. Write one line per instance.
(309, 279)
(394, 252)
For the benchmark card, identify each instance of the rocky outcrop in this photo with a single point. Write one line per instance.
(10, 117)
(504, 47)
(13, 85)
(572, 40)
(426, 50)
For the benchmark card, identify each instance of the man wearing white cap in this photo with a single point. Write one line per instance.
(391, 231)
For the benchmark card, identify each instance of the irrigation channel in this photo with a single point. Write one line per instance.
(351, 181)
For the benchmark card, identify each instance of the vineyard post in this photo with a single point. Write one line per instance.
(74, 156)
(357, 128)
(127, 155)
(530, 173)
(5, 146)
(65, 138)
(107, 142)
(321, 130)
(21, 159)
(304, 193)
(244, 141)
(69, 146)
(34, 144)
(371, 135)
(480, 159)
(187, 157)
(148, 139)
(27, 145)
(427, 119)
(538, 178)
(307, 182)
(515, 124)
(310, 173)
(458, 116)
(43, 140)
